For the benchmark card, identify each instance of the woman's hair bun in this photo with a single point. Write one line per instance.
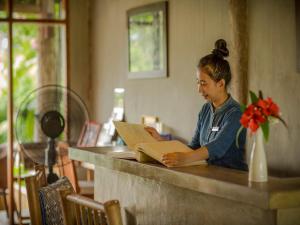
(220, 49)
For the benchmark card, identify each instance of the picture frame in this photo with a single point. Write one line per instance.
(147, 41)
(89, 134)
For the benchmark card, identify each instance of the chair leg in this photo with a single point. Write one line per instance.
(3, 193)
(5, 205)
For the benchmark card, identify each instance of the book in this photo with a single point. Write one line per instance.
(147, 148)
(122, 154)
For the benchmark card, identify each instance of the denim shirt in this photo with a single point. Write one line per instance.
(217, 130)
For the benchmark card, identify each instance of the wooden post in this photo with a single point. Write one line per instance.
(10, 131)
(297, 11)
(239, 50)
(113, 212)
(10, 138)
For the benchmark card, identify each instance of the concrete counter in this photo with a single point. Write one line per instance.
(154, 194)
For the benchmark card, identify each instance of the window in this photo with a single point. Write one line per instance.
(33, 53)
(38, 50)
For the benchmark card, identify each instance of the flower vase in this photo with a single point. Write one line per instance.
(258, 170)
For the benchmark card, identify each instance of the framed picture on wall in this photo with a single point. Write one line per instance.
(147, 41)
(89, 134)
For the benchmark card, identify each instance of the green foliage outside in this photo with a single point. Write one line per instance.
(25, 69)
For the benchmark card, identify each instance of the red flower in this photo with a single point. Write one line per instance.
(257, 114)
(253, 117)
(268, 107)
(253, 125)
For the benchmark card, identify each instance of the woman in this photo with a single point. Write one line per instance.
(218, 121)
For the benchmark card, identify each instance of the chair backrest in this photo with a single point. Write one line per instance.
(3, 173)
(78, 209)
(88, 138)
(67, 168)
(33, 184)
(49, 197)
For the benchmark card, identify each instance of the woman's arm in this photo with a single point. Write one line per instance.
(212, 150)
(180, 158)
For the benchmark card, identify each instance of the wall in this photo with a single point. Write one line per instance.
(273, 69)
(194, 25)
(174, 99)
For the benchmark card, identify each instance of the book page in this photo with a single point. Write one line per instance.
(158, 149)
(122, 154)
(133, 134)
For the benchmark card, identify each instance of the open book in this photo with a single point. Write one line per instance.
(146, 147)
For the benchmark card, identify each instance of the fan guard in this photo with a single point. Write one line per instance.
(47, 115)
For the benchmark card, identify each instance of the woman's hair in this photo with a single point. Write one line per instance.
(215, 65)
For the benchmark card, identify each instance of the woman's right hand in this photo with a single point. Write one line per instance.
(153, 132)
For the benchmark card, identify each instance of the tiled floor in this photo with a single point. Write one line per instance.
(3, 218)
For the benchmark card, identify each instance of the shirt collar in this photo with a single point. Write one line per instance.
(228, 102)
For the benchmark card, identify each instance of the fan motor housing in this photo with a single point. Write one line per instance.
(52, 124)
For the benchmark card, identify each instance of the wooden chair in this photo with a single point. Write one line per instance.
(67, 168)
(88, 138)
(33, 184)
(3, 176)
(78, 210)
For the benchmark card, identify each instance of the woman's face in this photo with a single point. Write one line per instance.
(207, 87)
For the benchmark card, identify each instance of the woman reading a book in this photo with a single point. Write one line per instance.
(218, 121)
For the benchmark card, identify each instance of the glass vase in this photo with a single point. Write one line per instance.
(258, 170)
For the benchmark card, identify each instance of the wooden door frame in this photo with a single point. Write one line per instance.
(9, 20)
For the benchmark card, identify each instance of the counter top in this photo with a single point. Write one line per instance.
(277, 193)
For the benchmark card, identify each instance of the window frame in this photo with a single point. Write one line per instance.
(9, 20)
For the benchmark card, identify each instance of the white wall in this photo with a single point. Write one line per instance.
(272, 68)
(192, 32)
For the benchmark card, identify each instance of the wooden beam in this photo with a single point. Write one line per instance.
(10, 131)
(68, 68)
(43, 21)
(10, 138)
(239, 51)
(297, 11)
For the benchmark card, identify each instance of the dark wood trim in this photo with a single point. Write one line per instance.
(10, 135)
(297, 16)
(49, 21)
(68, 67)
(10, 138)
(67, 22)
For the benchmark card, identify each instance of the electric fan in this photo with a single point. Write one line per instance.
(47, 115)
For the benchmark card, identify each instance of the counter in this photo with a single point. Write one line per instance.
(153, 194)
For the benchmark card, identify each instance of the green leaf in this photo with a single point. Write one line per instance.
(265, 129)
(243, 108)
(253, 97)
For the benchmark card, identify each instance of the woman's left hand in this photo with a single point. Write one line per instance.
(174, 159)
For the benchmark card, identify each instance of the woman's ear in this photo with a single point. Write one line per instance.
(221, 83)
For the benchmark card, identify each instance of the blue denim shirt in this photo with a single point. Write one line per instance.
(216, 130)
